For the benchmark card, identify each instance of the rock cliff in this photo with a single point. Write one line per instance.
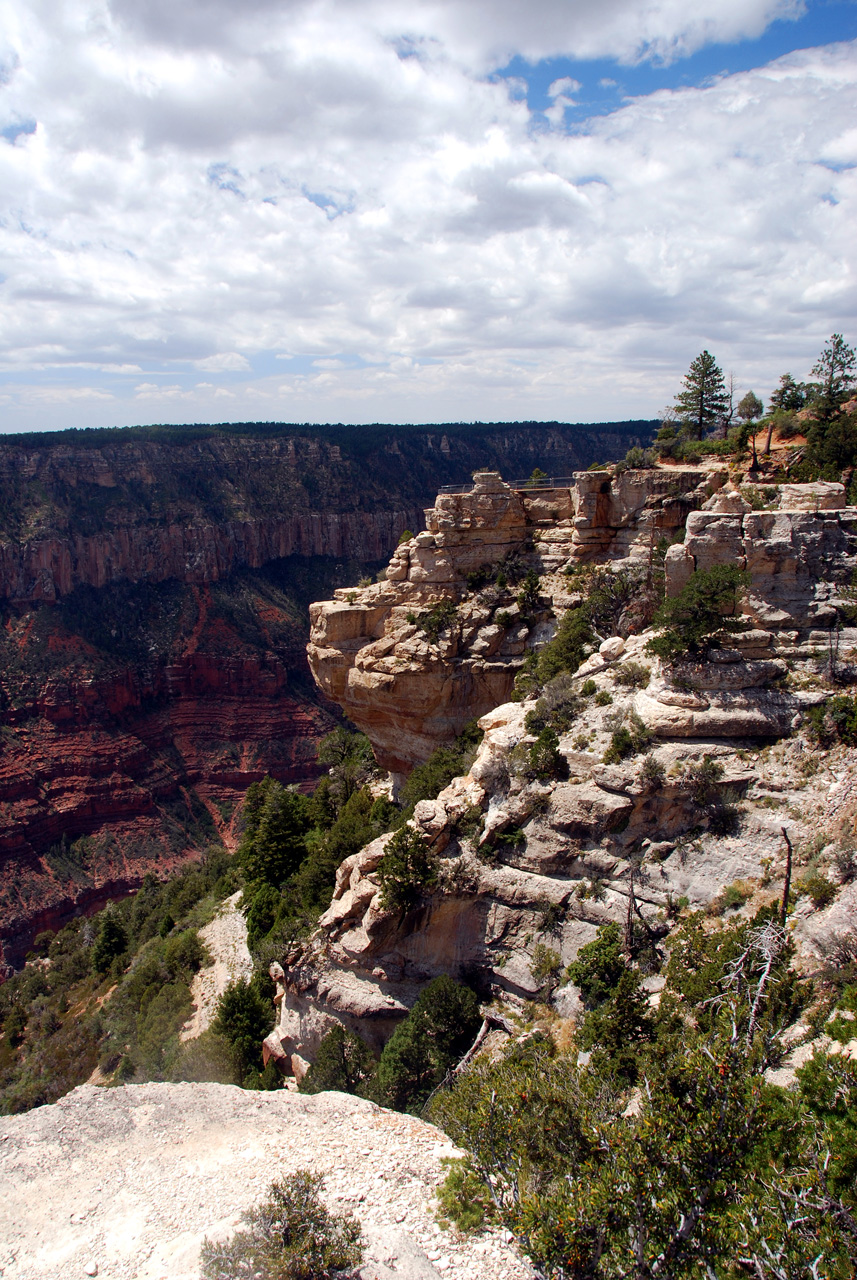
(693, 815)
(153, 594)
(411, 690)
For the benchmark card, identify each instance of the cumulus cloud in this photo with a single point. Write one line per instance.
(208, 181)
(229, 361)
(476, 33)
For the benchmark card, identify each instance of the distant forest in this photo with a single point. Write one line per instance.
(353, 439)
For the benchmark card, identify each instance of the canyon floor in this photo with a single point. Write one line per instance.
(131, 1180)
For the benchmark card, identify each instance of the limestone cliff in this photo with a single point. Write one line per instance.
(723, 760)
(411, 692)
(153, 594)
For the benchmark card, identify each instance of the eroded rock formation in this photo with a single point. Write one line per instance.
(698, 804)
(153, 593)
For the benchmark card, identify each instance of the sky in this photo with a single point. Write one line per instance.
(417, 210)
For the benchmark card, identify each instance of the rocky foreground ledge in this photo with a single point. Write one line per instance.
(126, 1183)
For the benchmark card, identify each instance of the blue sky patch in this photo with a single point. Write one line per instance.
(605, 84)
(18, 129)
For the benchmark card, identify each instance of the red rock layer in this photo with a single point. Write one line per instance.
(105, 777)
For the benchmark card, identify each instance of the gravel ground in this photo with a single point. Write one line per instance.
(130, 1181)
(226, 939)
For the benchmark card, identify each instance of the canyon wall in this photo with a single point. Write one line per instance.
(154, 587)
(687, 810)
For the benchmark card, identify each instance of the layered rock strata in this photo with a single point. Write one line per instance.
(529, 868)
(411, 692)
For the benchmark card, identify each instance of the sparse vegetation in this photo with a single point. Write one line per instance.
(633, 675)
(434, 621)
(290, 1236)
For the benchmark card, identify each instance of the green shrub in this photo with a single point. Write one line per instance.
(621, 745)
(557, 708)
(426, 781)
(436, 1033)
(571, 643)
(343, 1062)
(244, 1018)
(407, 871)
(603, 698)
(405, 536)
(511, 837)
(545, 761)
(700, 778)
(463, 1199)
(627, 740)
(544, 967)
(528, 596)
(633, 675)
(598, 966)
(274, 844)
(432, 622)
(111, 941)
(835, 719)
(618, 1028)
(588, 688)
(691, 619)
(291, 1236)
(817, 888)
(651, 773)
(262, 913)
(731, 897)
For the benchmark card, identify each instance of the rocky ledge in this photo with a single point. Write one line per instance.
(127, 1183)
(693, 816)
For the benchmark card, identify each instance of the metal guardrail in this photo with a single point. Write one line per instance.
(548, 482)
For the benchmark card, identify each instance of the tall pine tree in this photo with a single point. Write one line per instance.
(704, 400)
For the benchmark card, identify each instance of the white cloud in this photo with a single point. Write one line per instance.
(228, 361)
(564, 85)
(209, 179)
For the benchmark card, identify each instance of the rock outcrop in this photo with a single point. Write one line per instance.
(128, 1182)
(798, 554)
(692, 801)
(411, 691)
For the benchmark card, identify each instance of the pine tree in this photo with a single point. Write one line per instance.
(704, 401)
(273, 846)
(837, 369)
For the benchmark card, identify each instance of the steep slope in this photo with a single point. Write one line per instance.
(668, 786)
(154, 586)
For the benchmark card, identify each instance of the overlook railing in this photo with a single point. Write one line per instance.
(547, 482)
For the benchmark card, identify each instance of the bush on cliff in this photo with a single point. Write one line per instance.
(435, 1035)
(245, 1015)
(705, 605)
(111, 942)
(407, 871)
(835, 719)
(290, 1236)
(274, 843)
(426, 781)
(343, 1061)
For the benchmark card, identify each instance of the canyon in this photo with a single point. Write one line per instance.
(718, 782)
(154, 588)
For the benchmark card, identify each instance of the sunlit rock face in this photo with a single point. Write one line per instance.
(527, 863)
(410, 691)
